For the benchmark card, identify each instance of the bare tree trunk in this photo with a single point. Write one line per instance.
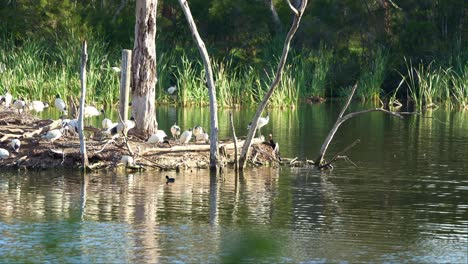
(84, 59)
(279, 71)
(211, 86)
(144, 68)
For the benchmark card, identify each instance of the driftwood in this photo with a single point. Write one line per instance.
(292, 31)
(319, 161)
(187, 148)
(214, 153)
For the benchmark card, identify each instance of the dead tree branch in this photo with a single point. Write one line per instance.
(292, 31)
(211, 86)
(319, 161)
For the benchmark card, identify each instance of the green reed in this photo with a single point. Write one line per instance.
(429, 85)
(38, 70)
(372, 77)
(322, 60)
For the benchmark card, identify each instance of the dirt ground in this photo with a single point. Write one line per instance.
(38, 153)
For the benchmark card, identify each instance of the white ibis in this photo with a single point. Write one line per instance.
(107, 123)
(60, 104)
(91, 111)
(53, 135)
(37, 106)
(4, 154)
(127, 160)
(7, 98)
(175, 131)
(197, 130)
(262, 121)
(171, 90)
(157, 137)
(186, 136)
(19, 105)
(121, 127)
(15, 144)
(202, 137)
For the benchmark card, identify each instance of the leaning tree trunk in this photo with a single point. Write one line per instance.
(211, 85)
(298, 12)
(144, 68)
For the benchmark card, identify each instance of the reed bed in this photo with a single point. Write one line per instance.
(38, 70)
(431, 86)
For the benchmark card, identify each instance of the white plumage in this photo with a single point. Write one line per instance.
(157, 137)
(19, 105)
(15, 144)
(53, 135)
(7, 98)
(262, 121)
(90, 111)
(202, 137)
(171, 89)
(107, 123)
(197, 130)
(121, 127)
(70, 125)
(4, 154)
(186, 136)
(175, 131)
(127, 160)
(37, 106)
(60, 104)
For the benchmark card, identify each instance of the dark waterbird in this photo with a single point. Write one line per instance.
(169, 179)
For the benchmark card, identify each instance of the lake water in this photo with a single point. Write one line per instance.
(406, 200)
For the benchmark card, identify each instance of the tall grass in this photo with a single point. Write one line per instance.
(322, 62)
(372, 77)
(429, 86)
(39, 70)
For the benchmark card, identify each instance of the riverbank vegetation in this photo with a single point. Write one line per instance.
(409, 51)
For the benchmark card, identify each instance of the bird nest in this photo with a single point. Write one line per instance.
(105, 153)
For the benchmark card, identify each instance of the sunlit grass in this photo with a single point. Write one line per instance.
(430, 86)
(372, 77)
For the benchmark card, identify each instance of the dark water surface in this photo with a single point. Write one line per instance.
(405, 201)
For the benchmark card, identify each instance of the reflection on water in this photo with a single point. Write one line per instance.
(404, 202)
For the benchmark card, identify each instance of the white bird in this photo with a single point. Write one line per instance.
(127, 160)
(186, 136)
(37, 106)
(91, 111)
(4, 154)
(175, 131)
(157, 137)
(171, 89)
(107, 123)
(121, 127)
(262, 121)
(202, 137)
(15, 144)
(197, 130)
(7, 98)
(60, 104)
(53, 135)
(19, 105)
(70, 125)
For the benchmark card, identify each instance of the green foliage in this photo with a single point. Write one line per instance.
(372, 77)
(334, 48)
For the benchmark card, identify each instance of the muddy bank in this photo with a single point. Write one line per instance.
(103, 153)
